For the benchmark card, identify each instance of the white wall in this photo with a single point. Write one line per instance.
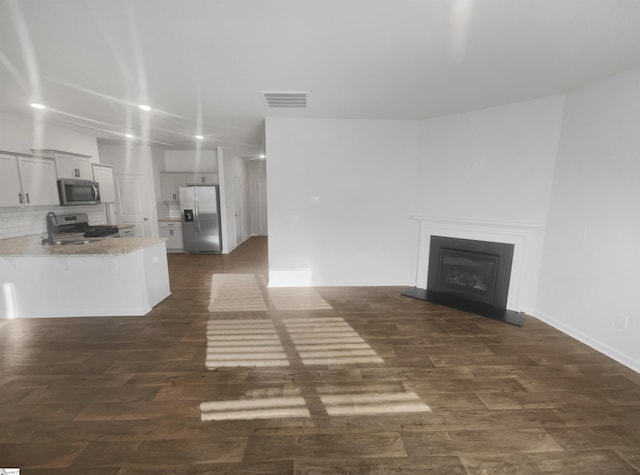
(203, 161)
(494, 164)
(126, 159)
(341, 192)
(19, 134)
(340, 197)
(591, 258)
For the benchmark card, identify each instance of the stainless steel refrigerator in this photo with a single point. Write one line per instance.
(200, 210)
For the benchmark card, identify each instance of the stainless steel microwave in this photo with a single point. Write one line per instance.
(78, 192)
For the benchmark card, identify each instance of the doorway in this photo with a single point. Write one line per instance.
(132, 203)
(238, 209)
(261, 206)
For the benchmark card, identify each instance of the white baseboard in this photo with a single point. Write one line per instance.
(528, 311)
(228, 251)
(594, 343)
(87, 313)
(303, 278)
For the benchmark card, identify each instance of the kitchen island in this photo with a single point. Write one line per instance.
(82, 277)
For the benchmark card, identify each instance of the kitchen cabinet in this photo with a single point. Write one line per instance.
(103, 174)
(73, 167)
(170, 184)
(202, 179)
(10, 189)
(38, 178)
(27, 181)
(173, 233)
(69, 165)
(125, 230)
(108, 277)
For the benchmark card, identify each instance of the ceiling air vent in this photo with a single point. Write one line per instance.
(280, 99)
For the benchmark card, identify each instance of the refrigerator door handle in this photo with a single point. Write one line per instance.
(195, 203)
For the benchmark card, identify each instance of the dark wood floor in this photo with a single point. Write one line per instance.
(341, 380)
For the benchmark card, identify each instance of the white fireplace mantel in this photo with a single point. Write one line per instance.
(526, 238)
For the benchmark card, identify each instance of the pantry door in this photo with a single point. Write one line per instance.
(132, 203)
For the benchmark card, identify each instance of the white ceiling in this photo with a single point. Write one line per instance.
(201, 64)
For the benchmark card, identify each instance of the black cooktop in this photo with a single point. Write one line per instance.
(101, 231)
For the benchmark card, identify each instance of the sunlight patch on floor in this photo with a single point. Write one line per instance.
(236, 293)
(373, 403)
(249, 343)
(289, 403)
(297, 298)
(329, 341)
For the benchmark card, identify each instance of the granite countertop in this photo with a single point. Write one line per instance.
(31, 246)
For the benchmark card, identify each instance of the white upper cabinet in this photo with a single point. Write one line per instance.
(202, 179)
(69, 165)
(10, 190)
(103, 174)
(170, 184)
(38, 178)
(27, 181)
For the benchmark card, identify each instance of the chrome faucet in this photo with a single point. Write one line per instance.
(51, 216)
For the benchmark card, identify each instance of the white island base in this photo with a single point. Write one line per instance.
(128, 282)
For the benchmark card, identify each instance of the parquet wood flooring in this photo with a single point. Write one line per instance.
(366, 381)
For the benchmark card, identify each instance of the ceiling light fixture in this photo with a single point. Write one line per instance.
(37, 105)
(262, 155)
(129, 136)
(199, 137)
(144, 107)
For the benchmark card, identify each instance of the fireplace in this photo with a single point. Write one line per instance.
(470, 269)
(470, 275)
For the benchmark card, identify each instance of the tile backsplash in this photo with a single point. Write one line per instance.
(15, 222)
(168, 209)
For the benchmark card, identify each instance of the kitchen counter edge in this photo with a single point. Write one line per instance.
(31, 246)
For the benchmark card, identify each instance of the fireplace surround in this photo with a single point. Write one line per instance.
(526, 242)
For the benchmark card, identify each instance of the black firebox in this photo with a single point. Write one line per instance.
(470, 275)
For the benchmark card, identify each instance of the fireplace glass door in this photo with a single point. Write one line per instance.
(469, 274)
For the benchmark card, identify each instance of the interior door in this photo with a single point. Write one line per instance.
(261, 194)
(238, 208)
(132, 203)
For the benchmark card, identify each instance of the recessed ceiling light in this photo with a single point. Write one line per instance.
(144, 107)
(199, 137)
(36, 105)
(262, 155)
(129, 136)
